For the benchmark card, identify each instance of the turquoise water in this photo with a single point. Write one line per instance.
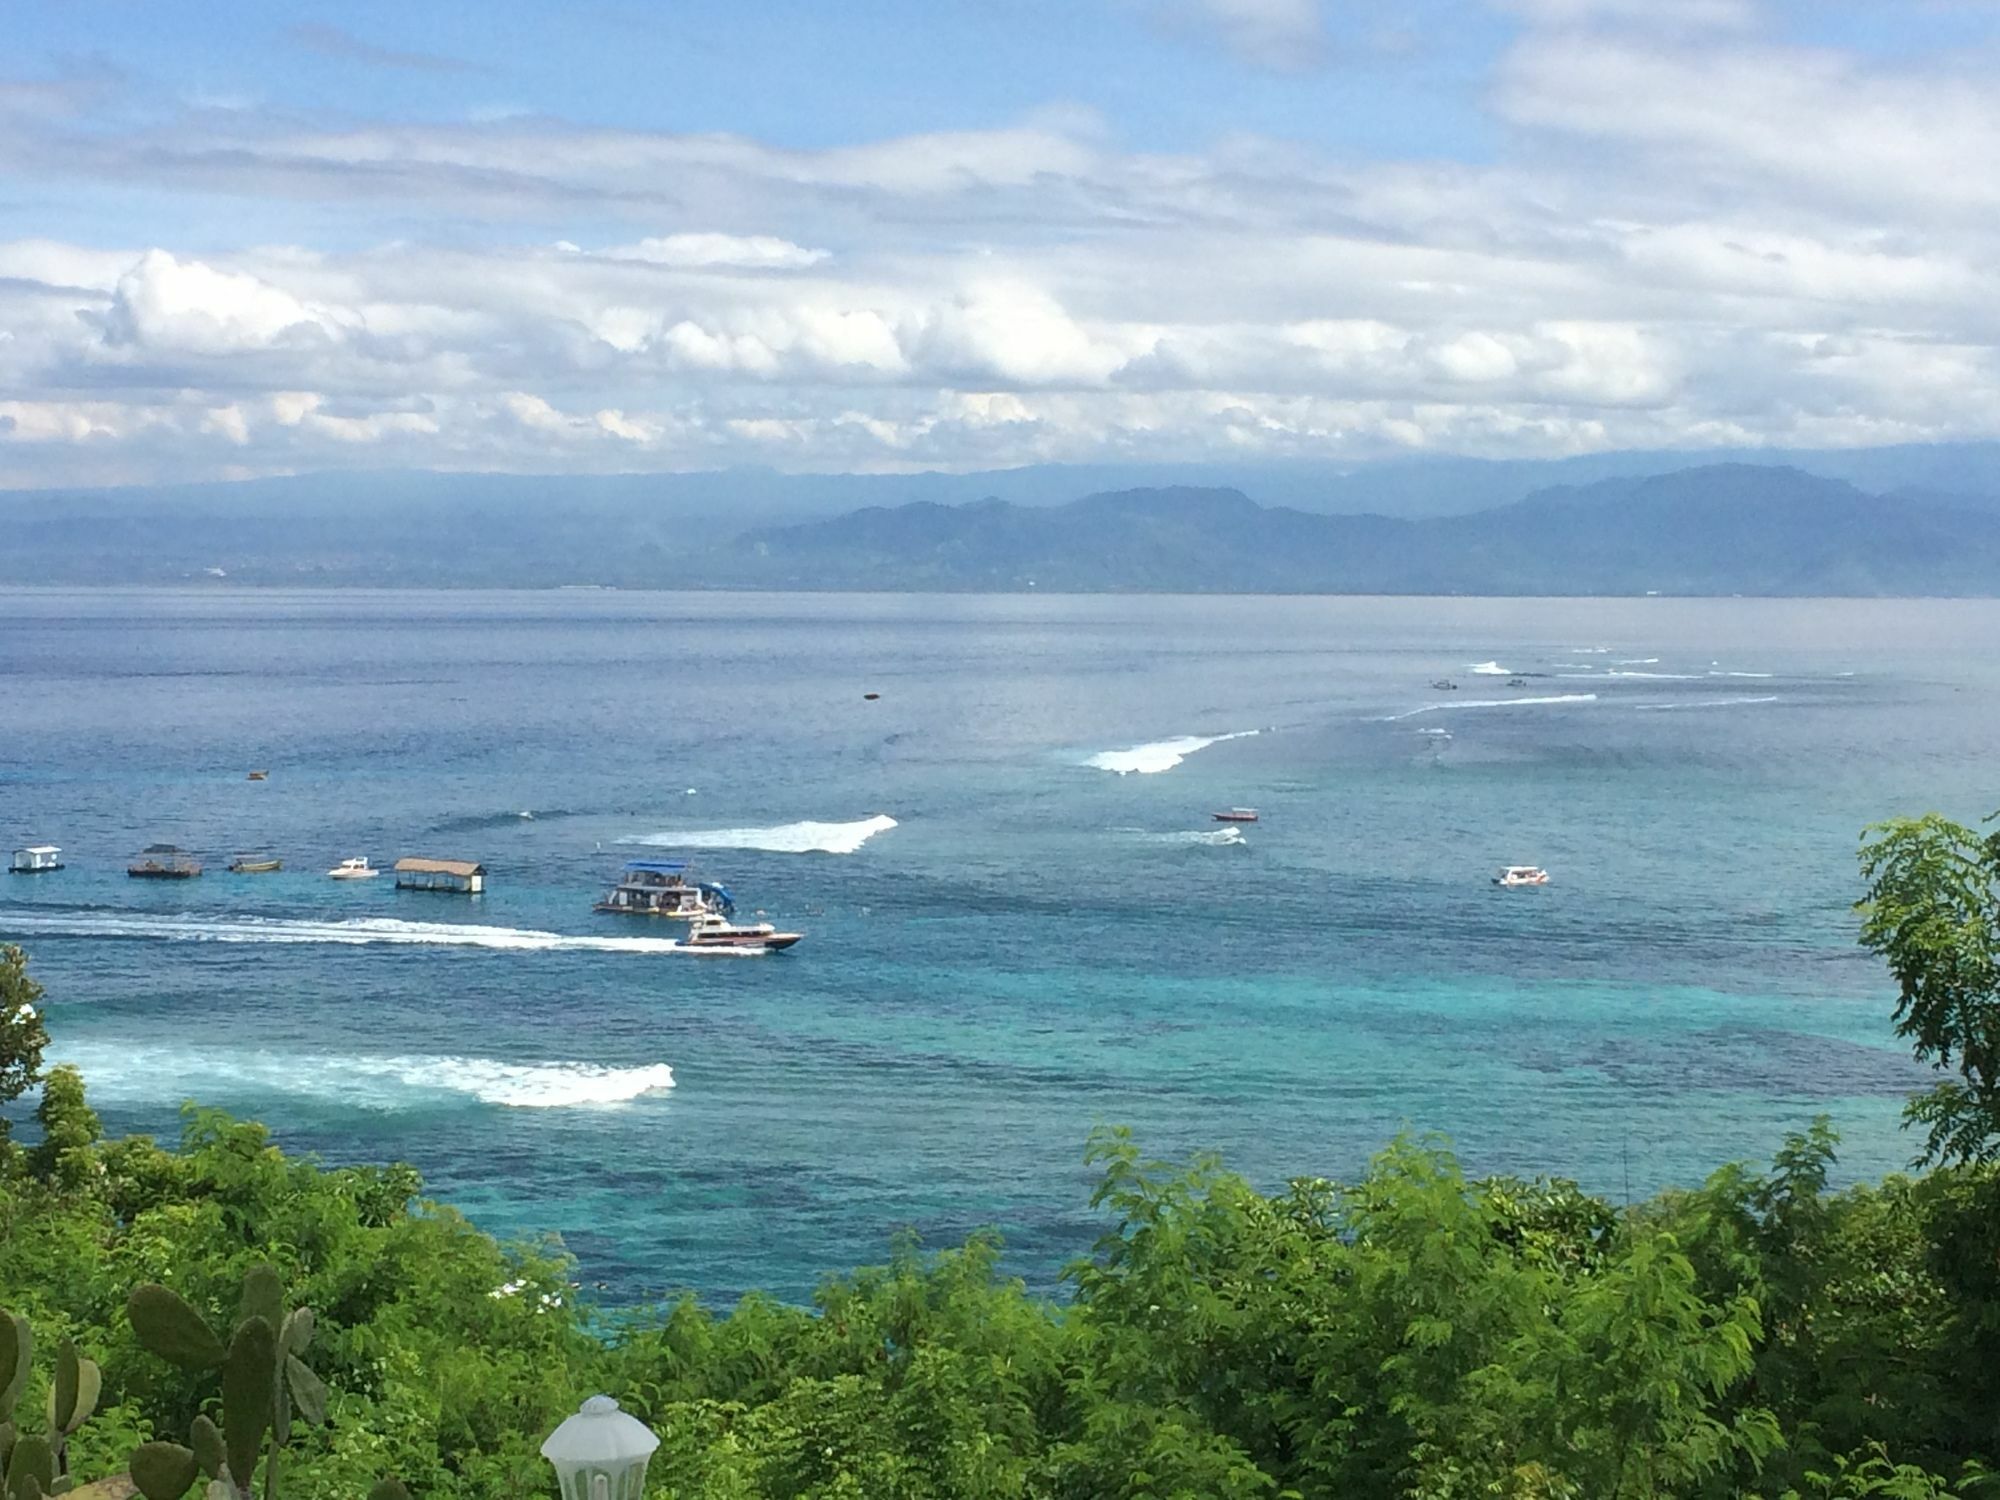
(1036, 945)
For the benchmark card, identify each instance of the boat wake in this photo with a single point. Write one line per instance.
(785, 838)
(1433, 708)
(1214, 838)
(1160, 755)
(128, 1072)
(187, 927)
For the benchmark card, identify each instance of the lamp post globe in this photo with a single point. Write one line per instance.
(601, 1453)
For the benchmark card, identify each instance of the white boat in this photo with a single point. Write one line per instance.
(1520, 875)
(36, 859)
(353, 869)
(720, 932)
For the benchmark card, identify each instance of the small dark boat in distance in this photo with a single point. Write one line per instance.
(1517, 682)
(1445, 685)
(871, 697)
(164, 862)
(258, 776)
(1236, 815)
(251, 864)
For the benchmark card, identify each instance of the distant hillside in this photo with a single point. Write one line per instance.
(1724, 529)
(1720, 529)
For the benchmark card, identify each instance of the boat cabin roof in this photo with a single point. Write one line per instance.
(464, 868)
(657, 866)
(163, 849)
(38, 849)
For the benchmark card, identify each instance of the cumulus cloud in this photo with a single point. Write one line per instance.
(1683, 241)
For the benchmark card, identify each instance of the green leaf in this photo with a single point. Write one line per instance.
(89, 1386)
(170, 1328)
(297, 1332)
(164, 1471)
(31, 1469)
(247, 1396)
(263, 1296)
(206, 1440)
(62, 1395)
(17, 1351)
(307, 1389)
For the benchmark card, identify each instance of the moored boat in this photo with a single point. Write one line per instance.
(164, 862)
(1445, 685)
(720, 932)
(665, 888)
(36, 859)
(1519, 875)
(254, 864)
(353, 869)
(1236, 815)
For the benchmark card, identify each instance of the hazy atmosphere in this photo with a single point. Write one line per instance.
(881, 236)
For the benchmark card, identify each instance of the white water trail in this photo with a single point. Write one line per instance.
(1216, 838)
(784, 838)
(1433, 708)
(1159, 755)
(188, 927)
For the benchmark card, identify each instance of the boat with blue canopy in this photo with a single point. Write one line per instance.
(665, 888)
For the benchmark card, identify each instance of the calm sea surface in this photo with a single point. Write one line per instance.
(1052, 934)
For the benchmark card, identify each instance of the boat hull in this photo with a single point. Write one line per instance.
(138, 873)
(33, 869)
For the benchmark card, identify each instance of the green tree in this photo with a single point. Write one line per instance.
(1933, 912)
(23, 1036)
(70, 1127)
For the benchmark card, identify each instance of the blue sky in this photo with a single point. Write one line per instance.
(243, 238)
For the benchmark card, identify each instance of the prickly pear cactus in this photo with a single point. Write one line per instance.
(36, 1465)
(264, 1380)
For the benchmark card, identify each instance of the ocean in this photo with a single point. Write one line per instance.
(1021, 921)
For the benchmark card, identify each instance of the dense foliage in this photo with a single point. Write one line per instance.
(1410, 1334)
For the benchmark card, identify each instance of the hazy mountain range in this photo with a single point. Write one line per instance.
(1925, 521)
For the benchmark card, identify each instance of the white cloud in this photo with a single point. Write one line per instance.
(1285, 36)
(1733, 242)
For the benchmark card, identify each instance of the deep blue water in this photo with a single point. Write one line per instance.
(1036, 946)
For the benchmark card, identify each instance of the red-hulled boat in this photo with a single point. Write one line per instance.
(1236, 815)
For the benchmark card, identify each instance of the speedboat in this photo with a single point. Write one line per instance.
(1236, 815)
(1517, 682)
(720, 932)
(1520, 875)
(353, 869)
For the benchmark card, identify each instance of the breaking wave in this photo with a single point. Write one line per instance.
(1739, 674)
(1160, 755)
(188, 927)
(785, 838)
(1704, 703)
(1637, 661)
(1490, 669)
(133, 1071)
(1432, 708)
(1660, 676)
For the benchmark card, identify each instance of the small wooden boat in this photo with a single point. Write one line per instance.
(245, 864)
(258, 776)
(164, 862)
(1236, 815)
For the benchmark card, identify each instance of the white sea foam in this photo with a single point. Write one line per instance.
(1637, 661)
(1160, 755)
(1739, 674)
(1490, 669)
(125, 1071)
(785, 838)
(1590, 651)
(1432, 708)
(190, 927)
(1660, 676)
(1212, 837)
(1704, 703)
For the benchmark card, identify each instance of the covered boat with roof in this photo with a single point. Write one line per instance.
(665, 888)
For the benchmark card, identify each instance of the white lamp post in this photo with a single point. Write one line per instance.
(601, 1453)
